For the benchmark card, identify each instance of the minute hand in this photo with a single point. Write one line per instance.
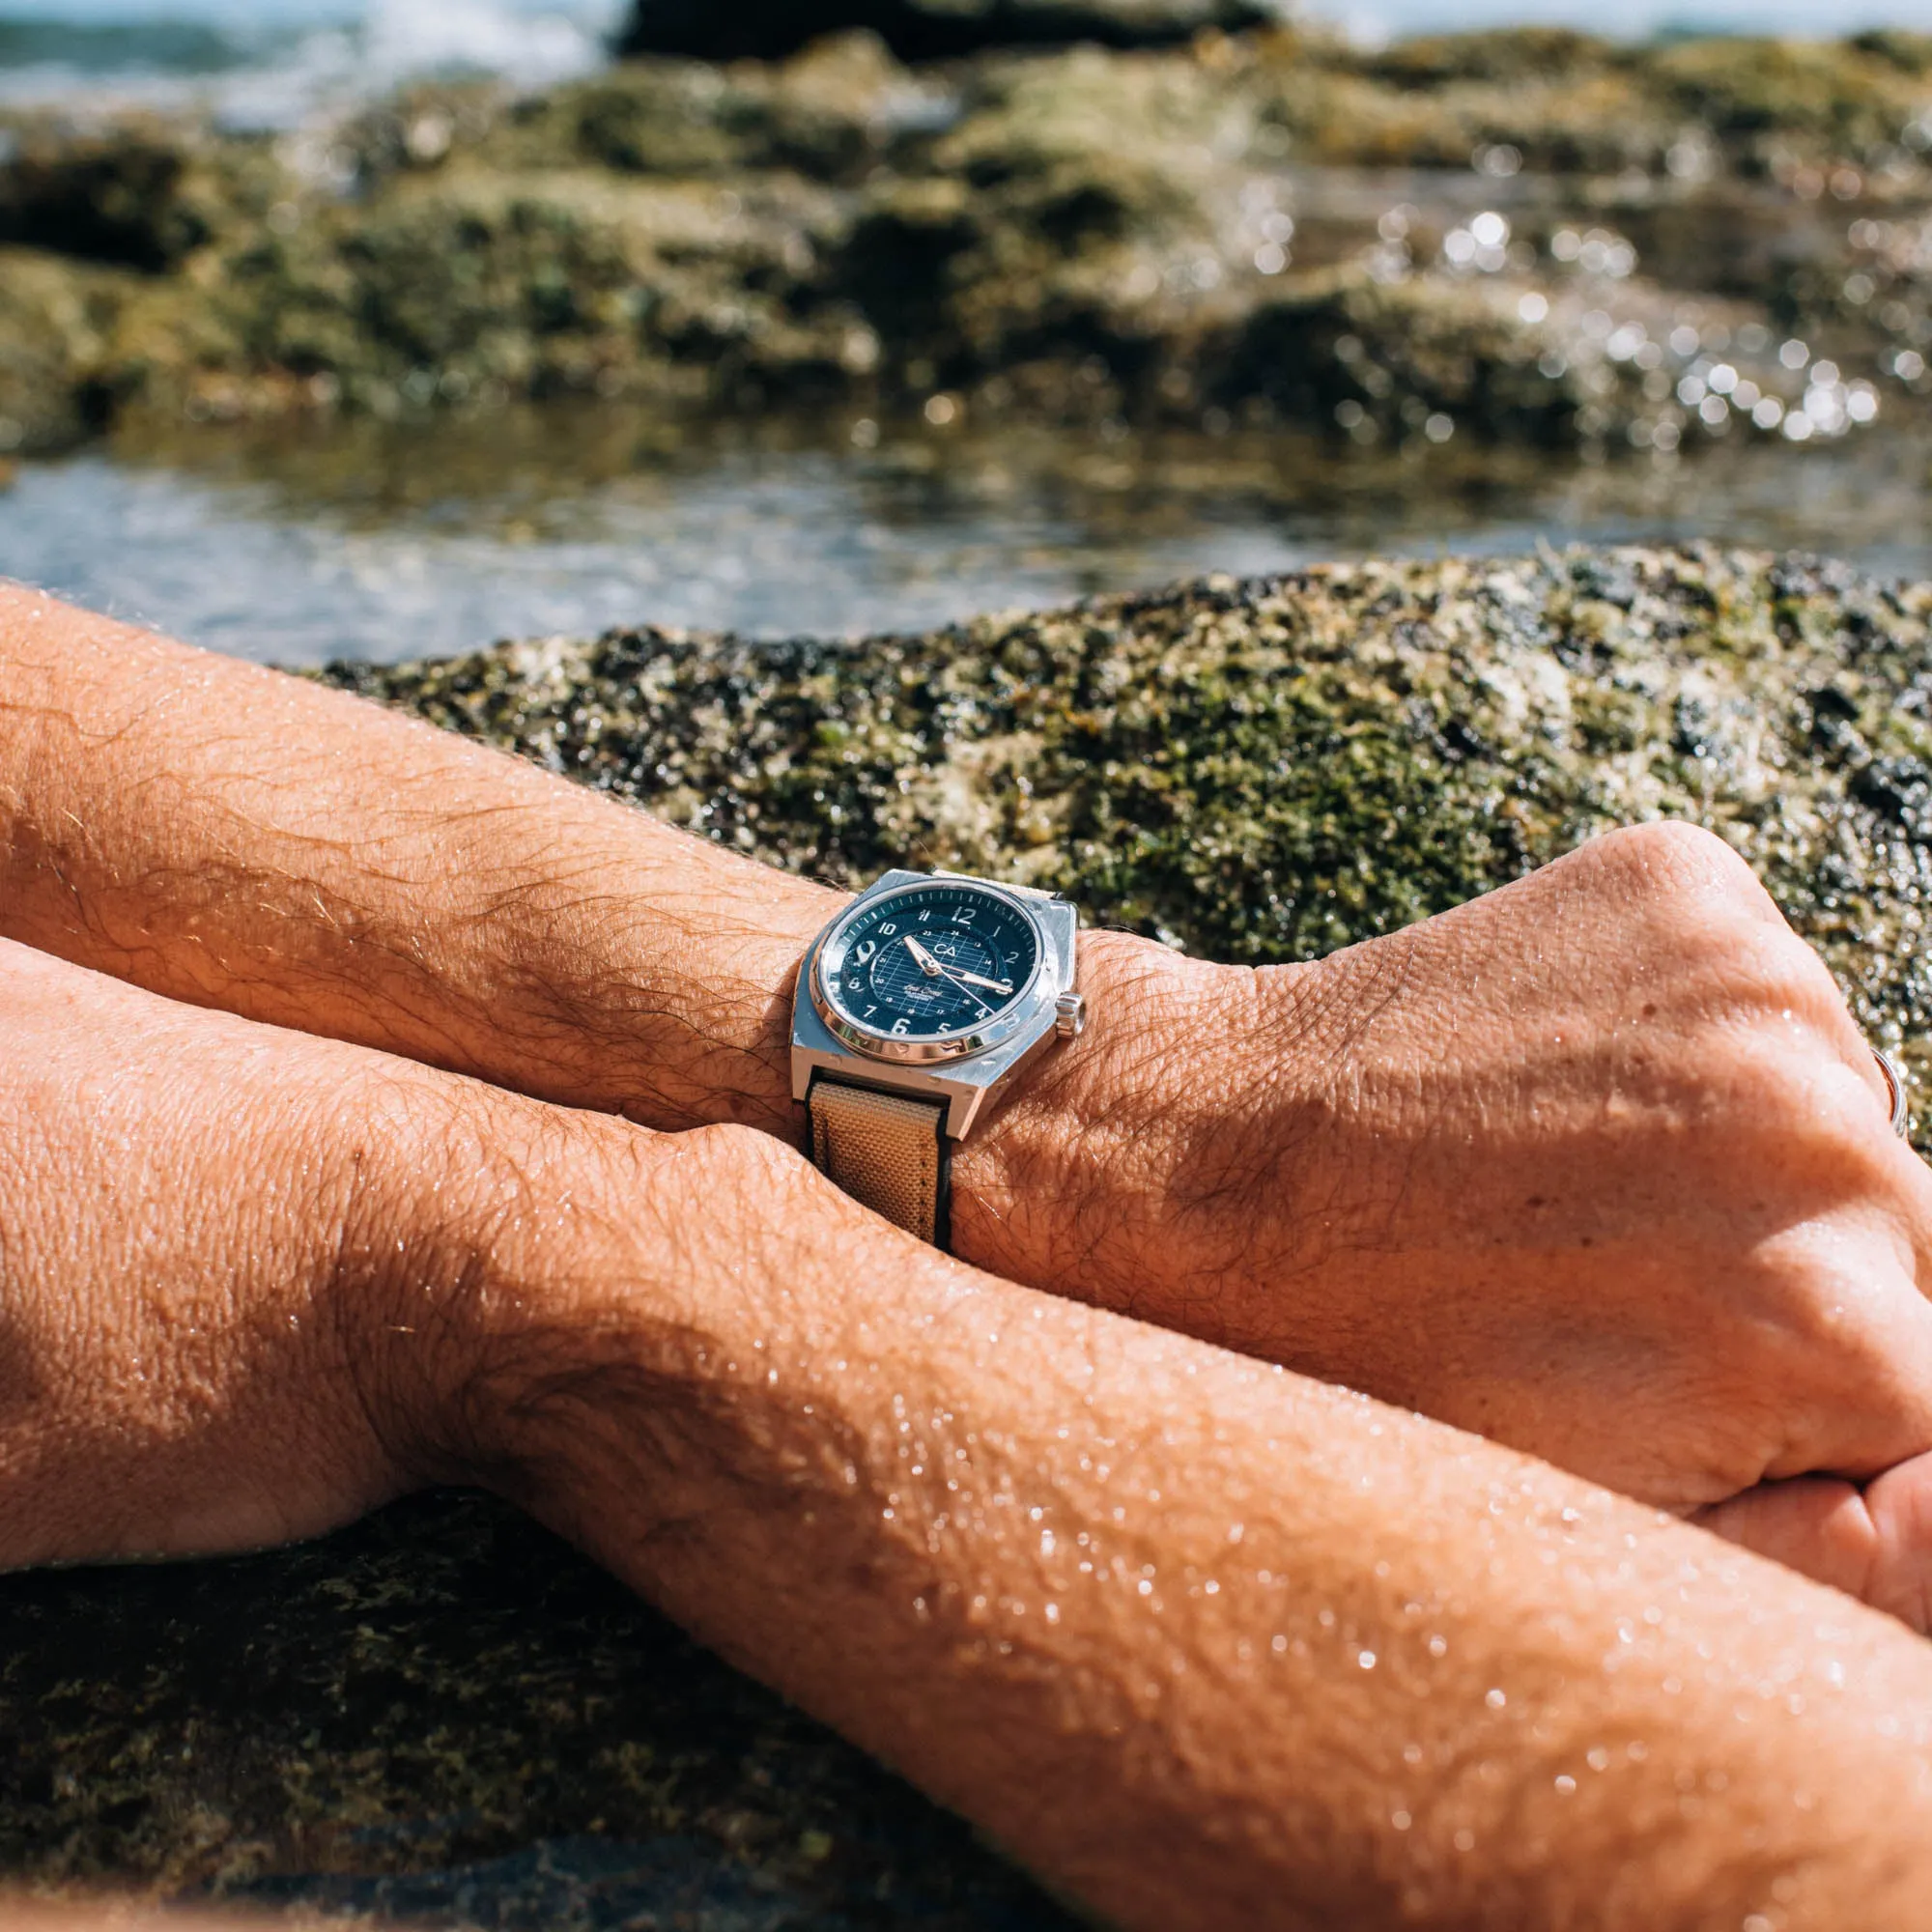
(967, 979)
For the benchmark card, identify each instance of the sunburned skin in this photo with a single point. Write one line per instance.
(1598, 1166)
(1202, 1642)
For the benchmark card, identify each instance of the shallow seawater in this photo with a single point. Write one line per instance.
(374, 540)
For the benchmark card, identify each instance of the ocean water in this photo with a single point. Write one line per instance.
(380, 542)
(270, 65)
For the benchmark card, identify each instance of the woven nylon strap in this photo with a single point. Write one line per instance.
(886, 1149)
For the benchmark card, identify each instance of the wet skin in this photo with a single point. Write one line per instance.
(1203, 1642)
(1597, 1166)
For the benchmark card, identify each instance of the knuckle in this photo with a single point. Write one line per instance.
(1790, 1093)
(1770, 970)
(1672, 857)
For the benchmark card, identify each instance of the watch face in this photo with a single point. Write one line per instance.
(928, 963)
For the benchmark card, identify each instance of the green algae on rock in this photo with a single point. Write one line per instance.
(53, 320)
(1266, 771)
(444, 1715)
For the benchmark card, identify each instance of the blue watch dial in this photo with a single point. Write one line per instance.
(930, 962)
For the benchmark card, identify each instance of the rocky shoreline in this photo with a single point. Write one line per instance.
(1529, 234)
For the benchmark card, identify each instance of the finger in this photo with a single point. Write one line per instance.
(1874, 1542)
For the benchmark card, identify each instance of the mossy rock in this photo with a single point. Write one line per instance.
(144, 192)
(1266, 771)
(447, 1716)
(55, 319)
(1087, 234)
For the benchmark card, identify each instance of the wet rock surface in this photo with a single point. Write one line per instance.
(446, 1717)
(443, 1714)
(1528, 235)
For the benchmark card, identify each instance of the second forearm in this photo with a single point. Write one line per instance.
(1204, 1645)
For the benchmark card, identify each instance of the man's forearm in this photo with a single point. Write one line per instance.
(226, 835)
(232, 837)
(1598, 1165)
(1205, 1644)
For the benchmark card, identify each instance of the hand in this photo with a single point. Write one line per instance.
(1598, 1165)
(1044, 1560)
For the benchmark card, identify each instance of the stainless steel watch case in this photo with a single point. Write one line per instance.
(961, 1070)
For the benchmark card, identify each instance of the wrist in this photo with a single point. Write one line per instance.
(1092, 1180)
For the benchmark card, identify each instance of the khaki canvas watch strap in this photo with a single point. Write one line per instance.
(888, 1151)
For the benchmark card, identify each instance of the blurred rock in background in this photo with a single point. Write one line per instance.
(1529, 236)
(923, 29)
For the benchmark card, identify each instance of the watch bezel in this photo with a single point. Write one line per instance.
(936, 1049)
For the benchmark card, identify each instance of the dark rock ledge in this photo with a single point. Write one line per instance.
(447, 1716)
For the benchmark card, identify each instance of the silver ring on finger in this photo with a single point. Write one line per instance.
(1894, 1082)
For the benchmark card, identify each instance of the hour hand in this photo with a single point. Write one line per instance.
(928, 963)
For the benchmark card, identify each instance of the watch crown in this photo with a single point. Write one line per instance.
(1069, 1015)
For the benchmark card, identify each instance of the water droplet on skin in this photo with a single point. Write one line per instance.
(1565, 1784)
(1464, 1841)
(1277, 1644)
(1411, 1753)
(1401, 1820)
(1366, 1659)
(1496, 1699)
(1438, 1646)
(1597, 1758)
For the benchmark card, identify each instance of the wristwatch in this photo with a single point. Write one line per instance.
(927, 993)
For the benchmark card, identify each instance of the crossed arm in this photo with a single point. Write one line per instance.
(1204, 1642)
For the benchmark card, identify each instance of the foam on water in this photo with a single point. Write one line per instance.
(276, 68)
